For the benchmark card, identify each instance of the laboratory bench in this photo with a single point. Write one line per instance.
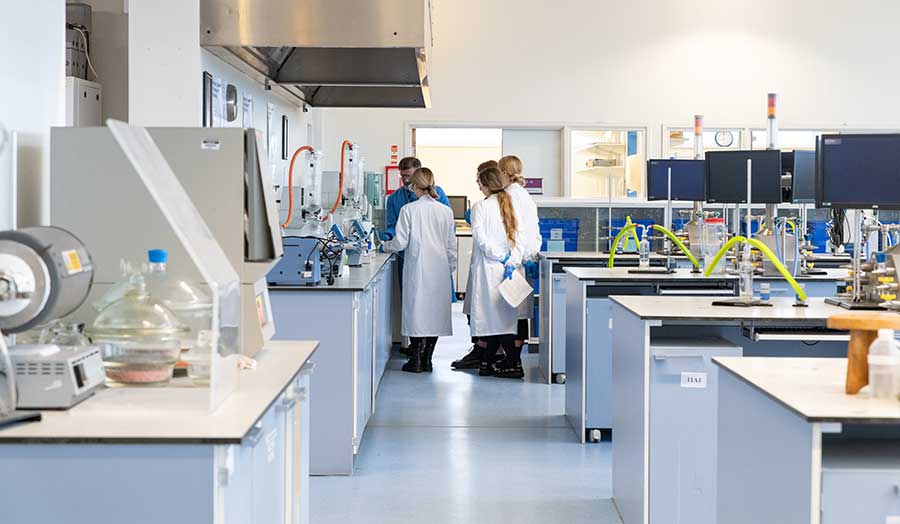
(588, 340)
(552, 301)
(665, 395)
(149, 455)
(793, 447)
(354, 322)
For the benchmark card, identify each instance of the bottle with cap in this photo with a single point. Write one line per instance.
(190, 303)
(884, 365)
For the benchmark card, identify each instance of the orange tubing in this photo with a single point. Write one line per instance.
(290, 214)
(337, 201)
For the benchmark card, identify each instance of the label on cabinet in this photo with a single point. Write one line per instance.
(693, 380)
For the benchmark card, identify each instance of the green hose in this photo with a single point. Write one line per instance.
(615, 245)
(721, 253)
(637, 241)
(678, 243)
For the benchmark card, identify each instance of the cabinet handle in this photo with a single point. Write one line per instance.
(287, 403)
(255, 434)
(300, 393)
(308, 368)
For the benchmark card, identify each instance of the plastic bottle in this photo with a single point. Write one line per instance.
(884, 365)
(191, 304)
(644, 251)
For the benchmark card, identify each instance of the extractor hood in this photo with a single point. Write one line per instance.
(327, 53)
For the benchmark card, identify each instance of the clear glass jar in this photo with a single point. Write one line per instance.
(714, 237)
(140, 338)
(61, 334)
(199, 359)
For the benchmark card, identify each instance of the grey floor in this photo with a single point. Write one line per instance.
(452, 447)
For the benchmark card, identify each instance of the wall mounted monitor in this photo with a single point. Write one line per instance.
(859, 171)
(459, 204)
(726, 177)
(688, 179)
(802, 165)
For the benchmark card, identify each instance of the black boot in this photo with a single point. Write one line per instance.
(472, 360)
(414, 364)
(427, 353)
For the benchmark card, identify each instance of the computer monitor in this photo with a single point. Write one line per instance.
(688, 179)
(726, 177)
(859, 171)
(802, 166)
(459, 204)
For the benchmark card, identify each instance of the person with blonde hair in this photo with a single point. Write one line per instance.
(495, 256)
(529, 235)
(426, 232)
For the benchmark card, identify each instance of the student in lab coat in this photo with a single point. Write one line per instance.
(495, 255)
(473, 359)
(528, 238)
(425, 230)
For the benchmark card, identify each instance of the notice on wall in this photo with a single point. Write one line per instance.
(218, 103)
(693, 380)
(271, 132)
(247, 111)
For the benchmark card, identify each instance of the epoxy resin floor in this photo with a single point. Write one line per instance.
(452, 447)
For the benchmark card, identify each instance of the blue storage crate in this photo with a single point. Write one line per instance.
(819, 234)
(559, 230)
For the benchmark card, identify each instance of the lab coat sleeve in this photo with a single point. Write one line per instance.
(401, 233)
(451, 248)
(481, 240)
(442, 197)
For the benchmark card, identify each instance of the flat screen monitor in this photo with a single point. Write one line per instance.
(726, 177)
(688, 179)
(803, 176)
(459, 204)
(859, 171)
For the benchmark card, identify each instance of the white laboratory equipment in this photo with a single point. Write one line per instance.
(45, 274)
(884, 365)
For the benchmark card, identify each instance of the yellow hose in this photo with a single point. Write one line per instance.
(637, 241)
(721, 253)
(779, 266)
(768, 254)
(678, 243)
(615, 244)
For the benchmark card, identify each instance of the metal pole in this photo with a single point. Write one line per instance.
(671, 221)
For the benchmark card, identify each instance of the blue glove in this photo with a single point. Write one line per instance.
(384, 236)
(469, 216)
(531, 269)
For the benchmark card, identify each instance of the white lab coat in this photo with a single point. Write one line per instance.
(528, 235)
(426, 232)
(490, 314)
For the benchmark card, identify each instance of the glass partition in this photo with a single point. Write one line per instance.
(680, 141)
(608, 163)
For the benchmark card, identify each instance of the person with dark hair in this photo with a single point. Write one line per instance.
(426, 232)
(495, 256)
(405, 195)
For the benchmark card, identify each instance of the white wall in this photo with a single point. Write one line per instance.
(648, 62)
(164, 78)
(32, 82)
(109, 55)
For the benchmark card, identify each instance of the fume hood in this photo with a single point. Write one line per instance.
(327, 53)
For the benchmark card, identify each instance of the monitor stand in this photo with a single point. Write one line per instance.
(17, 417)
(738, 302)
(849, 304)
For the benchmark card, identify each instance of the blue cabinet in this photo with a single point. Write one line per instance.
(683, 424)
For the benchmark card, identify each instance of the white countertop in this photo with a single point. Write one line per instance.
(172, 415)
(624, 273)
(701, 308)
(601, 255)
(812, 388)
(357, 278)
